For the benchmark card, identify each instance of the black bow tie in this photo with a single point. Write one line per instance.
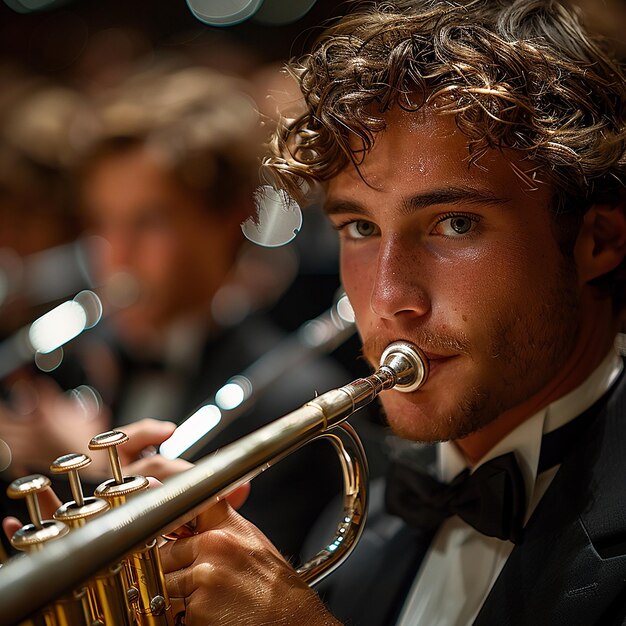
(492, 499)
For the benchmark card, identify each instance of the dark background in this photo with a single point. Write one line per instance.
(88, 43)
(55, 40)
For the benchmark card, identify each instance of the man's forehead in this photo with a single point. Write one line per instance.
(405, 136)
(413, 146)
(422, 150)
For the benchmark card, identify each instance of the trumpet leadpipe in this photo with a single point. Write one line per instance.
(35, 580)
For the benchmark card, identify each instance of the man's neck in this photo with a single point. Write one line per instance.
(595, 340)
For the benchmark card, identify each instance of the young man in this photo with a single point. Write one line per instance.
(472, 154)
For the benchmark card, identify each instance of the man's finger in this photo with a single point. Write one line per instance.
(238, 496)
(10, 525)
(210, 519)
(48, 503)
(214, 516)
(157, 466)
(180, 582)
(179, 554)
(142, 435)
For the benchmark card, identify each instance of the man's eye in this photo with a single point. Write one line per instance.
(360, 229)
(455, 225)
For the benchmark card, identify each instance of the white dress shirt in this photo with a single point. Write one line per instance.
(461, 565)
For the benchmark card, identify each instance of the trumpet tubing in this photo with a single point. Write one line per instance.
(87, 555)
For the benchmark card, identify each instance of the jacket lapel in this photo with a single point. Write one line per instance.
(571, 566)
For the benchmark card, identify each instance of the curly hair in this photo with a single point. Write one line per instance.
(204, 125)
(520, 74)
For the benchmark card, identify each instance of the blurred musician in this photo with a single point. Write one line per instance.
(37, 208)
(37, 214)
(167, 182)
(472, 154)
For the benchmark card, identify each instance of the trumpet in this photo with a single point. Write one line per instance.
(33, 583)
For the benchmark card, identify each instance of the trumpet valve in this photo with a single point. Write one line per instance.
(78, 511)
(109, 441)
(116, 490)
(32, 536)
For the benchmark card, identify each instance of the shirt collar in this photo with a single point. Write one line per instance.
(525, 440)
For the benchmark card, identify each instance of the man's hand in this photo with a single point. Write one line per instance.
(42, 423)
(142, 434)
(229, 573)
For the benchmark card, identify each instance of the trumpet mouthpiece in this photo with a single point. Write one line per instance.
(409, 364)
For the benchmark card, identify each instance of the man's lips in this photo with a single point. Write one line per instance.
(437, 347)
(437, 362)
(432, 357)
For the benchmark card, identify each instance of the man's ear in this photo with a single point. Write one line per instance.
(601, 242)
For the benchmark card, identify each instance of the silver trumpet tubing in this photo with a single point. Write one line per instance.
(49, 275)
(42, 341)
(315, 337)
(31, 582)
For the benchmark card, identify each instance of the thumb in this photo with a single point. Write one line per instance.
(238, 495)
(215, 513)
(219, 513)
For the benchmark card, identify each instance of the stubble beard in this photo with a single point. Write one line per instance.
(524, 353)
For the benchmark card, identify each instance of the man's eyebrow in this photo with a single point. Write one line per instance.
(449, 195)
(452, 195)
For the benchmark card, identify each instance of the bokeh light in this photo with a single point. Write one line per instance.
(279, 12)
(223, 12)
(278, 218)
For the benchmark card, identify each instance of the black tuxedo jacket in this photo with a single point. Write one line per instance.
(569, 570)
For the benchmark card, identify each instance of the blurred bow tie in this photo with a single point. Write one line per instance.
(492, 499)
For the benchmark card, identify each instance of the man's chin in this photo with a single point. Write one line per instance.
(448, 429)
(425, 423)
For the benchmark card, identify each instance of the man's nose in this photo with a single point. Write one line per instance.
(400, 287)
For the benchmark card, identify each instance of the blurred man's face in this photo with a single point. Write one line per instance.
(463, 262)
(159, 233)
